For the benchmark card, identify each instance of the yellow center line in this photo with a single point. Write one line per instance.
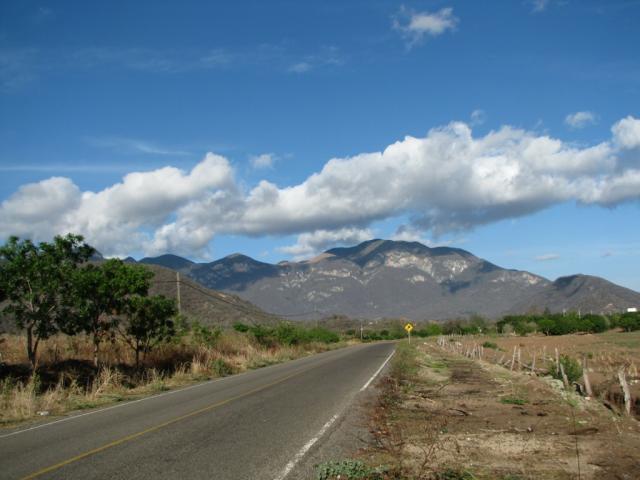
(133, 436)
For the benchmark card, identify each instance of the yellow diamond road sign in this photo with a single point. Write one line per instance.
(408, 327)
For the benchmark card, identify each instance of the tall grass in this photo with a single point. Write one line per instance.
(66, 379)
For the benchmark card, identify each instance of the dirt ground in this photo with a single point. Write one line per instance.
(467, 419)
(605, 354)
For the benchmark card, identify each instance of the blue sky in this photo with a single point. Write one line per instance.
(522, 122)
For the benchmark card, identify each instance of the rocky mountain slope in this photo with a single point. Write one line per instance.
(382, 278)
(581, 292)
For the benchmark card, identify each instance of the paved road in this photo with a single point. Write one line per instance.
(257, 425)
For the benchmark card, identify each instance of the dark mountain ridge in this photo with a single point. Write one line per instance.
(384, 278)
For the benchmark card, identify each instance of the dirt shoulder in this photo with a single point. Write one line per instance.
(448, 417)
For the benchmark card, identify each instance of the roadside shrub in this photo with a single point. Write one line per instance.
(348, 470)
(454, 474)
(240, 327)
(289, 334)
(491, 345)
(572, 369)
(262, 335)
(205, 335)
(323, 335)
(404, 365)
(221, 368)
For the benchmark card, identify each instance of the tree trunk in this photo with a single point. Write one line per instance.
(31, 348)
(96, 349)
(137, 355)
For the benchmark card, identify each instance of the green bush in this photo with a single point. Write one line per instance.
(491, 345)
(553, 323)
(262, 335)
(593, 323)
(323, 335)
(454, 474)
(221, 368)
(572, 369)
(429, 330)
(240, 327)
(348, 470)
(404, 365)
(290, 334)
(629, 321)
(205, 335)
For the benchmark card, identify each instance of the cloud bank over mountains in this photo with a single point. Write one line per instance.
(447, 181)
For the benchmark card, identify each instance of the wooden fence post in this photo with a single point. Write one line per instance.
(625, 390)
(585, 376)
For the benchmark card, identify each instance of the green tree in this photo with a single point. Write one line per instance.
(149, 323)
(101, 293)
(36, 280)
(629, 321)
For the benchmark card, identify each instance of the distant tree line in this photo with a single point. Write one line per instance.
(51, 288)
(568, 322)
(546, 323)
(287, 334)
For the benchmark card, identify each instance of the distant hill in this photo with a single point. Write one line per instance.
(207, 306)
(581, 292)
(173, 262)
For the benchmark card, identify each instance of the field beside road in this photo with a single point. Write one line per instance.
(602, 356)
(445, 416)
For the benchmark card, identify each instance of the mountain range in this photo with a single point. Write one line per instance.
(384, 278)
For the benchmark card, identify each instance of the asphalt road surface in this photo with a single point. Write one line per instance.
(257, 425)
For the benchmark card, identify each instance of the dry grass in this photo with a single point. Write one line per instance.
(67, 381)
(456, 418)
(604, 354)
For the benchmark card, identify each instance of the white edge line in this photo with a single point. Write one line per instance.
(377, 372)
(303, 451)
(159, 395)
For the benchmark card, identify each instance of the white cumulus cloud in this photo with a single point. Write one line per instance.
(626, 133)
(264, 160)
(580, 119)
(313, 243)
(445, 181)
(414, 26)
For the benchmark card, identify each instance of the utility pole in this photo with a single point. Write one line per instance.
(178, 293)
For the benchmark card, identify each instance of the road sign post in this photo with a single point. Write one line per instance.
(408, 327)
